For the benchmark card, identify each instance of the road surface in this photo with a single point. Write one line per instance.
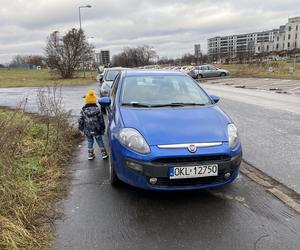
(240, 216)
(269, 126)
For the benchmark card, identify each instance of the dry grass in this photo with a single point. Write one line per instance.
(40, 78)
(34, 152)
(261, 70)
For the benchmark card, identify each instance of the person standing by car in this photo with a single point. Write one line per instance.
(91, 123)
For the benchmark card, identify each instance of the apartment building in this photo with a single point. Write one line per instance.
(103, 57)
(246, 46)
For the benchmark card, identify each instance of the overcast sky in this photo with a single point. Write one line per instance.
(171, 26)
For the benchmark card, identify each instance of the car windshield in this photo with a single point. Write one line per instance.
(111, 75)
(159, 91)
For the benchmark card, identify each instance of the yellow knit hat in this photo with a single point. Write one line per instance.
(90, 97)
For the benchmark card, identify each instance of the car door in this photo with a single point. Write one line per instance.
(213, 72)
(112, 108)
(204, 71)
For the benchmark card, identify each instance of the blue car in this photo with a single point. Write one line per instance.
(166, 133)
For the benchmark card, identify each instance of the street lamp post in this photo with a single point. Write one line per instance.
(80, 7)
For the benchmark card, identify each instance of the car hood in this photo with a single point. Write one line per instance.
(178, 125)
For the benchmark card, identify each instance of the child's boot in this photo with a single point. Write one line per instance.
(91, 155)
(104, 153)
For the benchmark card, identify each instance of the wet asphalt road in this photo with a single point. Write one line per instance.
(97, 216)
(239, 216)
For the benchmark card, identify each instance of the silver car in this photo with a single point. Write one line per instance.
(107, 80)
(207, 71)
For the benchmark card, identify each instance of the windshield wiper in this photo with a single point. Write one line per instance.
(136, 104)
(179, 104)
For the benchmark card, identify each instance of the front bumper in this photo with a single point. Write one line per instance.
(137, 171)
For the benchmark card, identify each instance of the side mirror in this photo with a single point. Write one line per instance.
(104, 101)
(101, 79)
(215, 98)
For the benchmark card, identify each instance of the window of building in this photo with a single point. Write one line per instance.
(277, 46)
(267, 47)
(290, 28)
(258, 48)
(296, 35)
(289, 36)
(288, 44)
(295, 44)
(296, 27)
(277, 38)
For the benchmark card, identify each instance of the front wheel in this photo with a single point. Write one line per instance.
(223, 74)
(113, 178)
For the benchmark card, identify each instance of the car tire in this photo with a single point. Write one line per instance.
(223, 74)
(199, 76)
(113, 178)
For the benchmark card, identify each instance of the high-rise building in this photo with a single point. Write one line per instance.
(103, 57)
(235, 47)
(197, 50)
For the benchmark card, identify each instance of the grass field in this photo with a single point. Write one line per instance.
(40, 78)
(34, 152)
(280, 70)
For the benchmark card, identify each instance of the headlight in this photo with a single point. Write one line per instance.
(233, 138)
(132, 139)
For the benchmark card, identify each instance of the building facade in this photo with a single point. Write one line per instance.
(197, 50)
(245, 47)
(103, 57)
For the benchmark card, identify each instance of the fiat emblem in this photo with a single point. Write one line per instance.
(192, 148)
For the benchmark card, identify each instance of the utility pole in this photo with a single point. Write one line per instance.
(80, 30)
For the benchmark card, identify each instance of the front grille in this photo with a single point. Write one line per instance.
(166, 182)
(195, 159)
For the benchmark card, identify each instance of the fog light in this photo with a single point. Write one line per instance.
(227, 175)
(134, 166)
(153, 180)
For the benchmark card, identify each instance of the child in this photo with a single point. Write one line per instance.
(91, 123)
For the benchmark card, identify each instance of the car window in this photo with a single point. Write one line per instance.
(212, 67)
(161, 90)
(204, 67)
(115, 86)
(111, 75)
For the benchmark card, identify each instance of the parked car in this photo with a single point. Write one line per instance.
(100, 75)
(207, 71)
(107, 80)
(166, 133)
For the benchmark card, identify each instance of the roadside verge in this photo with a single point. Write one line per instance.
(34, 153)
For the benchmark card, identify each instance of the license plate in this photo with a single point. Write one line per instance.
(193, 171)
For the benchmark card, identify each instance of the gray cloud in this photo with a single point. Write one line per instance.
(171, 26)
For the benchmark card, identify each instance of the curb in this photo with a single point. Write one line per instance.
(279, 190)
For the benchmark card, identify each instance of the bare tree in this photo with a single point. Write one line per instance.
(188, 59)
(135, 57)
(66, 53)
(37, 60)
(19, 59)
